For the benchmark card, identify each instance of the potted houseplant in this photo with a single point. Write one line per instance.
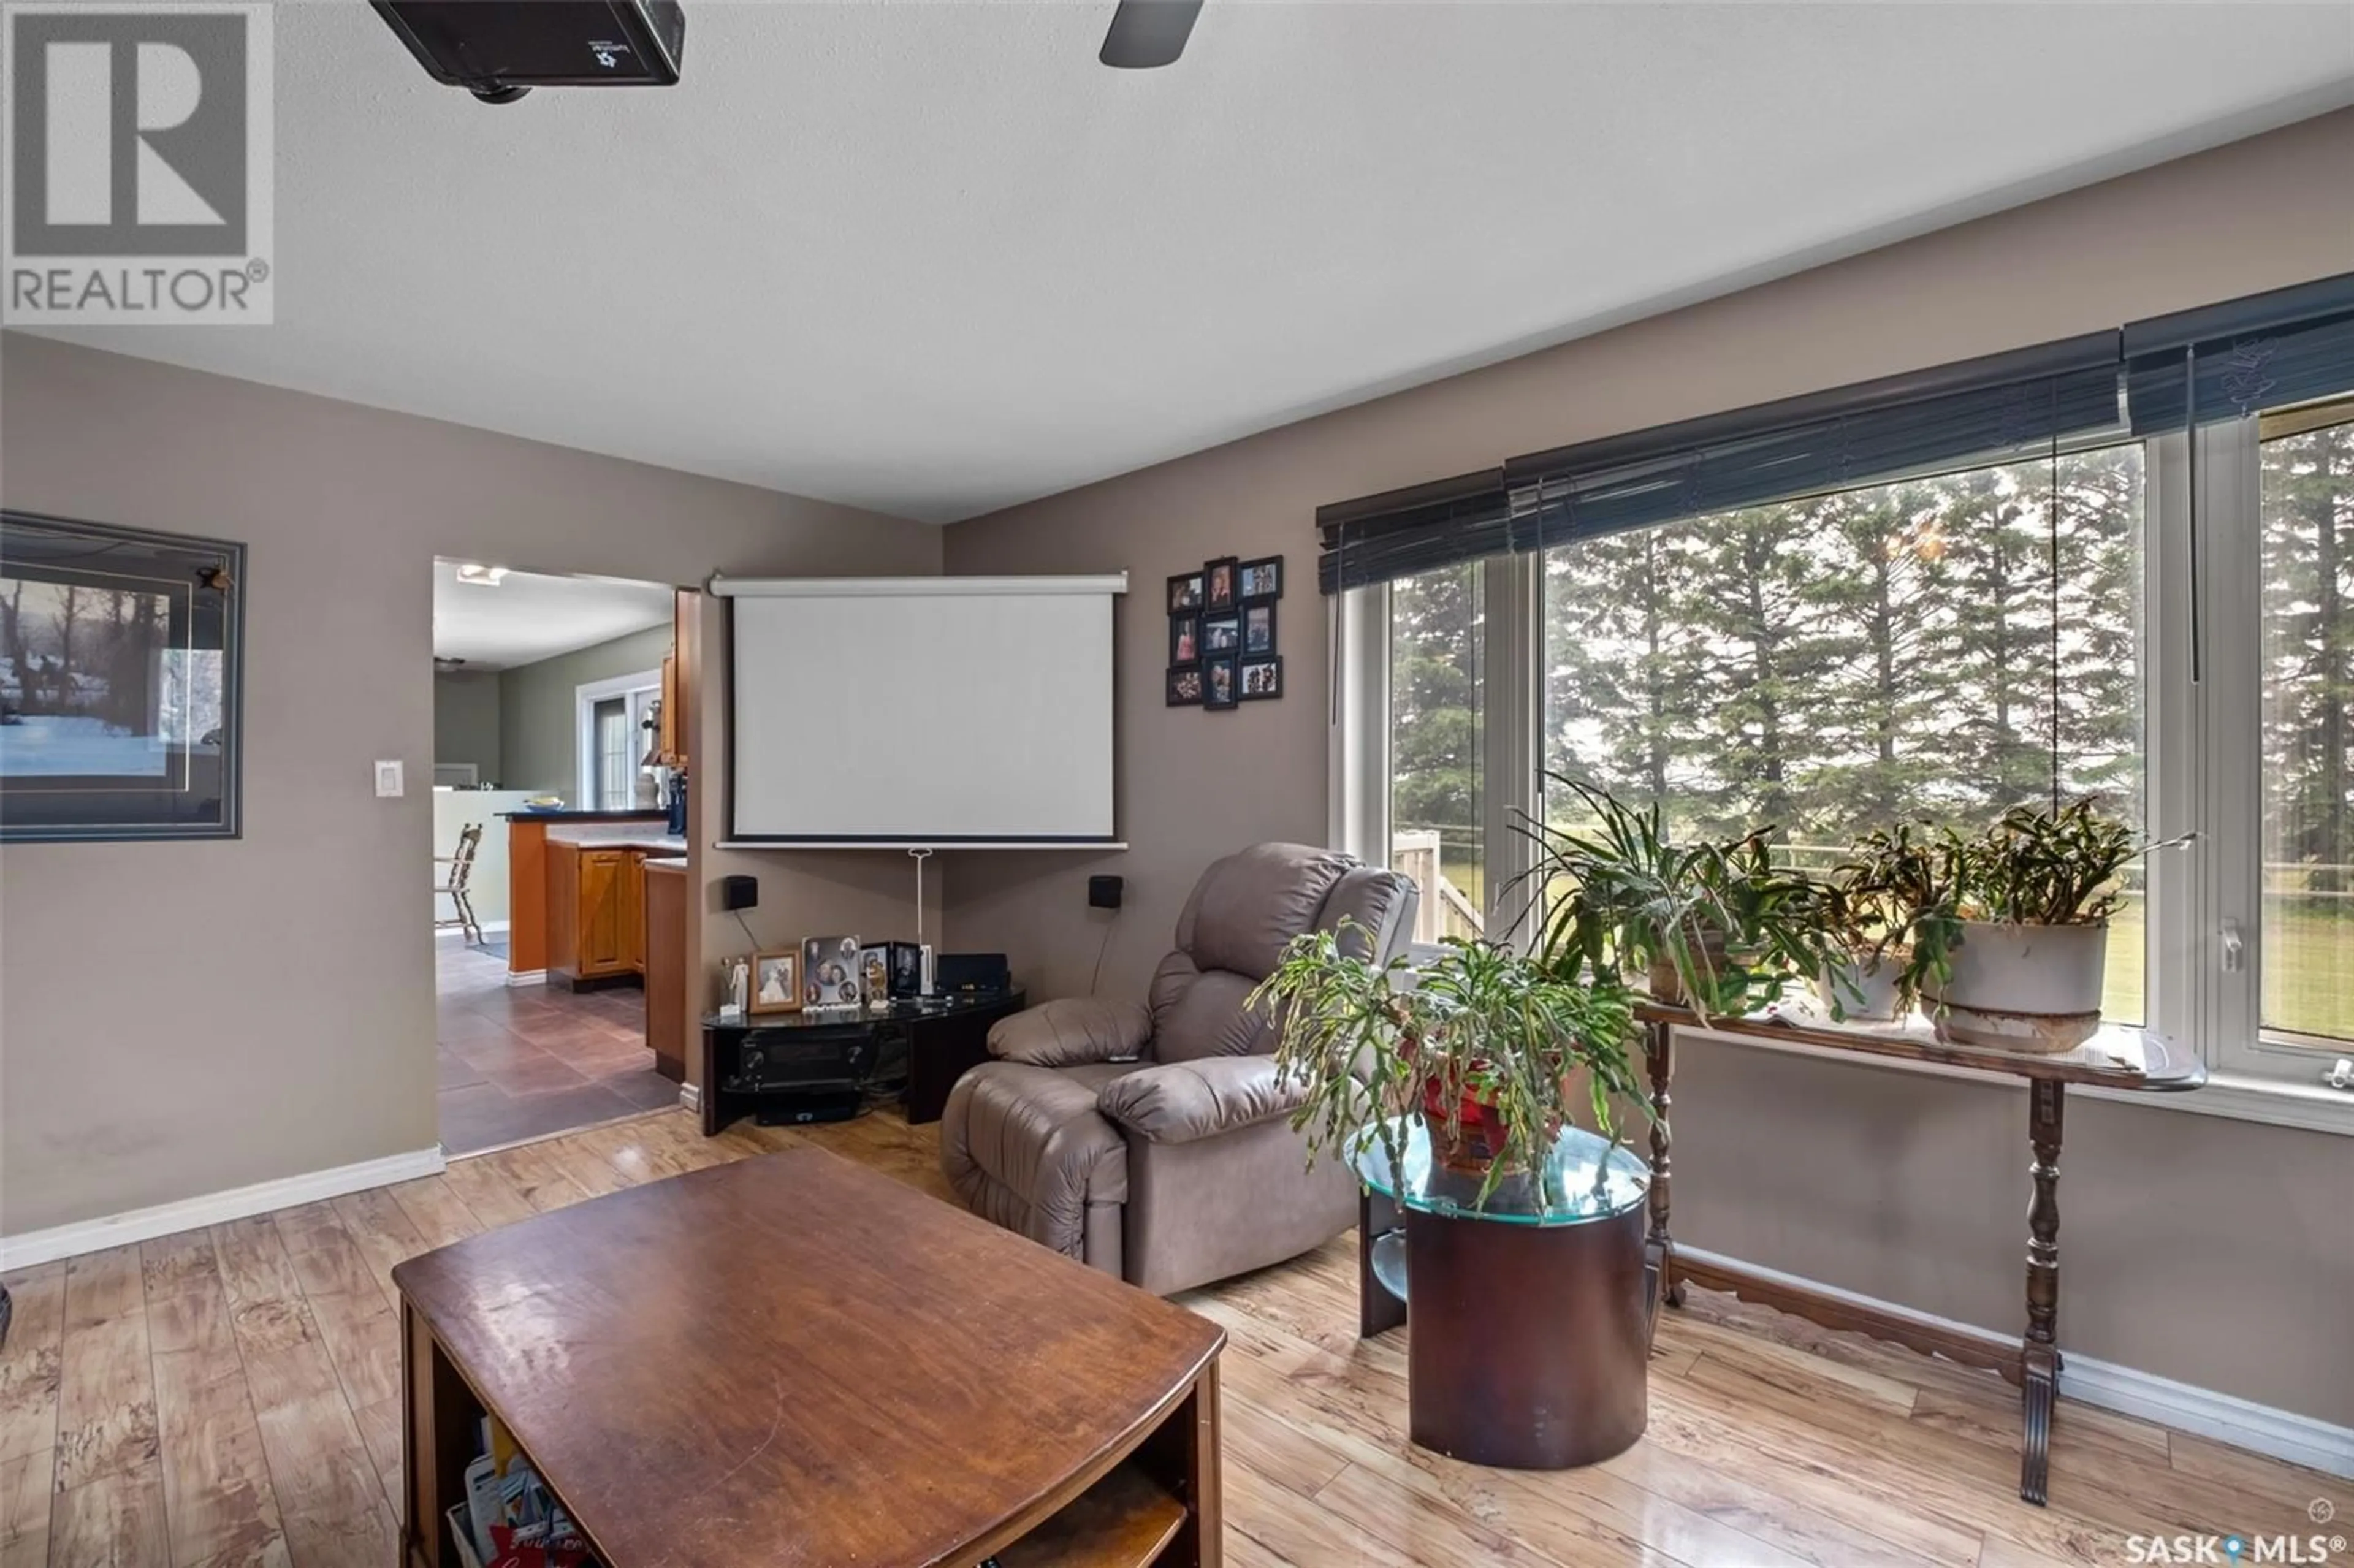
(2030, 902)
(1486, 1048)
(1714, 926)
(1888, 919)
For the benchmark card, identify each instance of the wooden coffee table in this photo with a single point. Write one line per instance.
(793, 1361)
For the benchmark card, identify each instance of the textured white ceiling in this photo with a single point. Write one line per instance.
(933, 259)
(529, 617)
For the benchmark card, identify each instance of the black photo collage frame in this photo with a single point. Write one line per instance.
(1224, 648)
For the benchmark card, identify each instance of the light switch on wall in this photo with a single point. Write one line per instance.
(388, 780)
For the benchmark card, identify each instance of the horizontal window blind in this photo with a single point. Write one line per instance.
(2226, 360)
(1404, 533)
(1582, 498)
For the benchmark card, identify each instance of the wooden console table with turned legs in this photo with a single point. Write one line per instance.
(2114, 1058)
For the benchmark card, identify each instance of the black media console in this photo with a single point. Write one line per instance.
(785, 1067)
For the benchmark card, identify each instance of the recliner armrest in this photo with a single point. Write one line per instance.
(1181, 1102)
(1072, 1031)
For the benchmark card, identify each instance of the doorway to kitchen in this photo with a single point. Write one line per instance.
(560, 870)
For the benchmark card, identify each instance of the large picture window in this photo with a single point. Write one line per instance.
(2140, 590)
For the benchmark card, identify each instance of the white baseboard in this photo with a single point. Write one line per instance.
(690, 1098)
(214, 1208)
(2283, 1433)
(526, 976)
(2227, 1418)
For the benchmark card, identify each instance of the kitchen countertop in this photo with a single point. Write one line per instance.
(651, 844)
(568, 815)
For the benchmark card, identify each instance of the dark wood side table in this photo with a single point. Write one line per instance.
(1532, 1338)
(2115, 1058)
(920, 1047)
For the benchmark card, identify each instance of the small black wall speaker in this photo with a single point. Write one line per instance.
(740, 891)
(1103, 892)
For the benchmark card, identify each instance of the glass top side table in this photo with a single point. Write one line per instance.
(1585, 1178)
(1532, 1327)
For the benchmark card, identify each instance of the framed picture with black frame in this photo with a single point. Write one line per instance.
(1259, 631)
(1184, 593)
(1261, 579)
(1220, 591)
(1262, 679)
(1185, 687)
(121, 673)
(1185, 638)
(1221, 682)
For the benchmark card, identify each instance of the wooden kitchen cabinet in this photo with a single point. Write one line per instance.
(633, 910)
(596, 921)
(667, 736)
(665, 904)
(601, 880)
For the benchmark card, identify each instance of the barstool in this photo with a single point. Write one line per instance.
(454, 882)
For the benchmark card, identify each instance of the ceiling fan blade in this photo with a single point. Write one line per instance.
(1148, 33)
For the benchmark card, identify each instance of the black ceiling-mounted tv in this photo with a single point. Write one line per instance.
(500, 49)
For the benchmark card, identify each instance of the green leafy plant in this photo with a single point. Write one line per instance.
(1894, 901)
(1623, 899)
(1481, 1026)
(2037, 867)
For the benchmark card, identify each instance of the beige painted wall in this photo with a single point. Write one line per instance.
(466, 720)
(181, 1019)
(2217, 1252)
(539, 708)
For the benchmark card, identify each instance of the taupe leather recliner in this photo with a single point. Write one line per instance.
(1154, 1142)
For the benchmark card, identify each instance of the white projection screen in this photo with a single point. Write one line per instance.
(922, 710)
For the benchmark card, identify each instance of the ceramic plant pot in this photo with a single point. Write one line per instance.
(2035, 989)
(1866, 991)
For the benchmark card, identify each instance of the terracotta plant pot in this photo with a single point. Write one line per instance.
(2035, 989)
(1473, 1149)
(1867, 990)
(1668, 987)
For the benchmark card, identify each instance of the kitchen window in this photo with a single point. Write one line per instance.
(615, 733)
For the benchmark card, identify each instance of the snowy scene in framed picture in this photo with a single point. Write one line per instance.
(119, 681)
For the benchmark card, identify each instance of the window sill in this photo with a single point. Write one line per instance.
(2311, 1107)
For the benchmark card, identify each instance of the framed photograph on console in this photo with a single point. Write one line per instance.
(831, 975)
(1262, 578)
(120, 664)
(776, 982)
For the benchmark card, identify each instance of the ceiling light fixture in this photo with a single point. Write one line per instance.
(481, 577)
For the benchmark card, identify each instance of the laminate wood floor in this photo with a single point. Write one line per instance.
(232, 1396)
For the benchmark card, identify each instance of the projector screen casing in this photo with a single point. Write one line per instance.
(927, 710)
